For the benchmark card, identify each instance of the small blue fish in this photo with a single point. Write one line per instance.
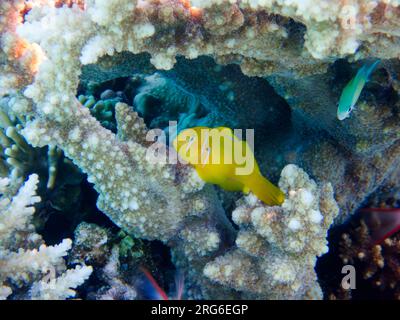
(352, 91)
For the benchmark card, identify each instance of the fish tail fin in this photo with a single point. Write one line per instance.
(152, 289)
(382, 222)
(179, 284)
(265, 190)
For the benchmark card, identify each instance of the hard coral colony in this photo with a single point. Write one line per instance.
(92, 90)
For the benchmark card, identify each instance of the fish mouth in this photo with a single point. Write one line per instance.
(341, 116)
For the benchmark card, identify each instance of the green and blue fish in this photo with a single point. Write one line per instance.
(352, 91)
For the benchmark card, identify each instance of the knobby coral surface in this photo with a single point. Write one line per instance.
(378, 264)
(277, 247)
(166, 202)
(149, 200)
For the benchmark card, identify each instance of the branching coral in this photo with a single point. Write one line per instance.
(95, 246)
(250, 33)
(277, 246)
(378, 264)
(253, 32)
(19, 158)
(165, 30)
(103, 110)
(156, 200)
(60, 178)
(149, 200)
(25, 261)
(18, 59)
(332, 28)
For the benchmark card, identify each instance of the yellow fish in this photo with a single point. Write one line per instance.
(221, 158)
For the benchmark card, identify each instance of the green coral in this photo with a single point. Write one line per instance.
(102, 110)
(130, 246)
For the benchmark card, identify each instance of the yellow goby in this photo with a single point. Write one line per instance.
(221, 158)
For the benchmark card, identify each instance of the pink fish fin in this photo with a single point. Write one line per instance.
(382, 222)
(158, 293)
(179, 284)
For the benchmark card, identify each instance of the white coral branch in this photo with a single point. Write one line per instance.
(62, 287)
(15, 215)
(21, 263)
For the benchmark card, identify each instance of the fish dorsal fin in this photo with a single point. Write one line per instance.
(367, 69)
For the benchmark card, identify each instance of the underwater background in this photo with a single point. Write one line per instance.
(84, 214)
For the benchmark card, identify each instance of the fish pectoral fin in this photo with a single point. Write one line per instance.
(246, 190)
(231, 184)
